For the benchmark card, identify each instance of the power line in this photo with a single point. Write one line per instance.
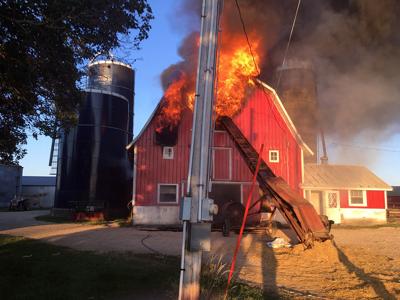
(247, 37)
(254, 61)
(288, 44)
(365, 147)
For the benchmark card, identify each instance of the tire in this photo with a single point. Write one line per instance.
(226, 227)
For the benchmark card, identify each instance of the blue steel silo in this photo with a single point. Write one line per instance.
(94, 173)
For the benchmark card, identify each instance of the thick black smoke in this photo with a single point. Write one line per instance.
(354, 46)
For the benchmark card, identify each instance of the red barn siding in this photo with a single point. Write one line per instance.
(152, 169)
(222, 163)
(260, 122)
(375, 199)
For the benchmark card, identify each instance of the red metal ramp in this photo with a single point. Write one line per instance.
(298, 212)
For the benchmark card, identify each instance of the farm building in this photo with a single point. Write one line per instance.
(346, 193)
(394, 198)
(161, 159)
(10, 183)
(393, 204)
(39, 189)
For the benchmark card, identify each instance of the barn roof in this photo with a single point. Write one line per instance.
(341, 177)
(278, 103)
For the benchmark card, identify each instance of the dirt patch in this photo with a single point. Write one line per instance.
(326, 271)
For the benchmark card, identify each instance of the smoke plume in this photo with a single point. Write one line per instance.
(354, 46)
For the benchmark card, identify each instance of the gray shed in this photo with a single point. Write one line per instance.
(41, 188)
(10, 183)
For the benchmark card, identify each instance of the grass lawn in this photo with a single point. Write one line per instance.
(36, 270)
(32, 269)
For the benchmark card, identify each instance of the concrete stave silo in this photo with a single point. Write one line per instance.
(296, 85)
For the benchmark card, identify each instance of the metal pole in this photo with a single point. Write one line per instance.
(196, 233)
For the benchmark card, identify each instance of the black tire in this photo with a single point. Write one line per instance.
(226, 227)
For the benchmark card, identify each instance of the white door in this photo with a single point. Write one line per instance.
(332, 206)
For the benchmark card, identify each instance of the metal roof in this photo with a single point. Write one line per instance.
(395, 192)
(341, 177)
(39, 180)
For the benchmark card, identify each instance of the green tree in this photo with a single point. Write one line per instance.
(43, 43)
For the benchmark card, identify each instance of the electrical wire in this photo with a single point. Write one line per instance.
(364, 147)
(252, 55)
(256, 66)
(288, 44)
(272, 111)
(247, 37)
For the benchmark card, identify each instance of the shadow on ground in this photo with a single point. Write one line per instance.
(375, 283)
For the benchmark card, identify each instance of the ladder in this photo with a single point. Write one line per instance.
(297, 211)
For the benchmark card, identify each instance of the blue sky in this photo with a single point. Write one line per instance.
(158, 52)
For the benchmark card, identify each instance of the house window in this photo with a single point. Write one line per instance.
(274, 156)
(168, 152)
(357, 198)
(168, 193)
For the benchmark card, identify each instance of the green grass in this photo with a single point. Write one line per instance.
(214, 281)
(36, 270)
(31, 269)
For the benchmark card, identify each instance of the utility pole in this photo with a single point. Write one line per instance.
(197, 209)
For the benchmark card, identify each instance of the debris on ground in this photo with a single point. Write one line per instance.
(279, 243)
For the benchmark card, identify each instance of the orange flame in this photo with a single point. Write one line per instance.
(235, 72)
(175, 98)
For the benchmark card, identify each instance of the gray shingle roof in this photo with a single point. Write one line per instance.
(341, 177)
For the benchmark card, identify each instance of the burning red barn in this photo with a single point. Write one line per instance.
(161, 159)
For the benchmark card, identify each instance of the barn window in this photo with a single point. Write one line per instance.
(274, 156)
(168, 152)
(357, 198)
(167, 193)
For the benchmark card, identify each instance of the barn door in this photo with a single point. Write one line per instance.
(222, 163)
(223, 193)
